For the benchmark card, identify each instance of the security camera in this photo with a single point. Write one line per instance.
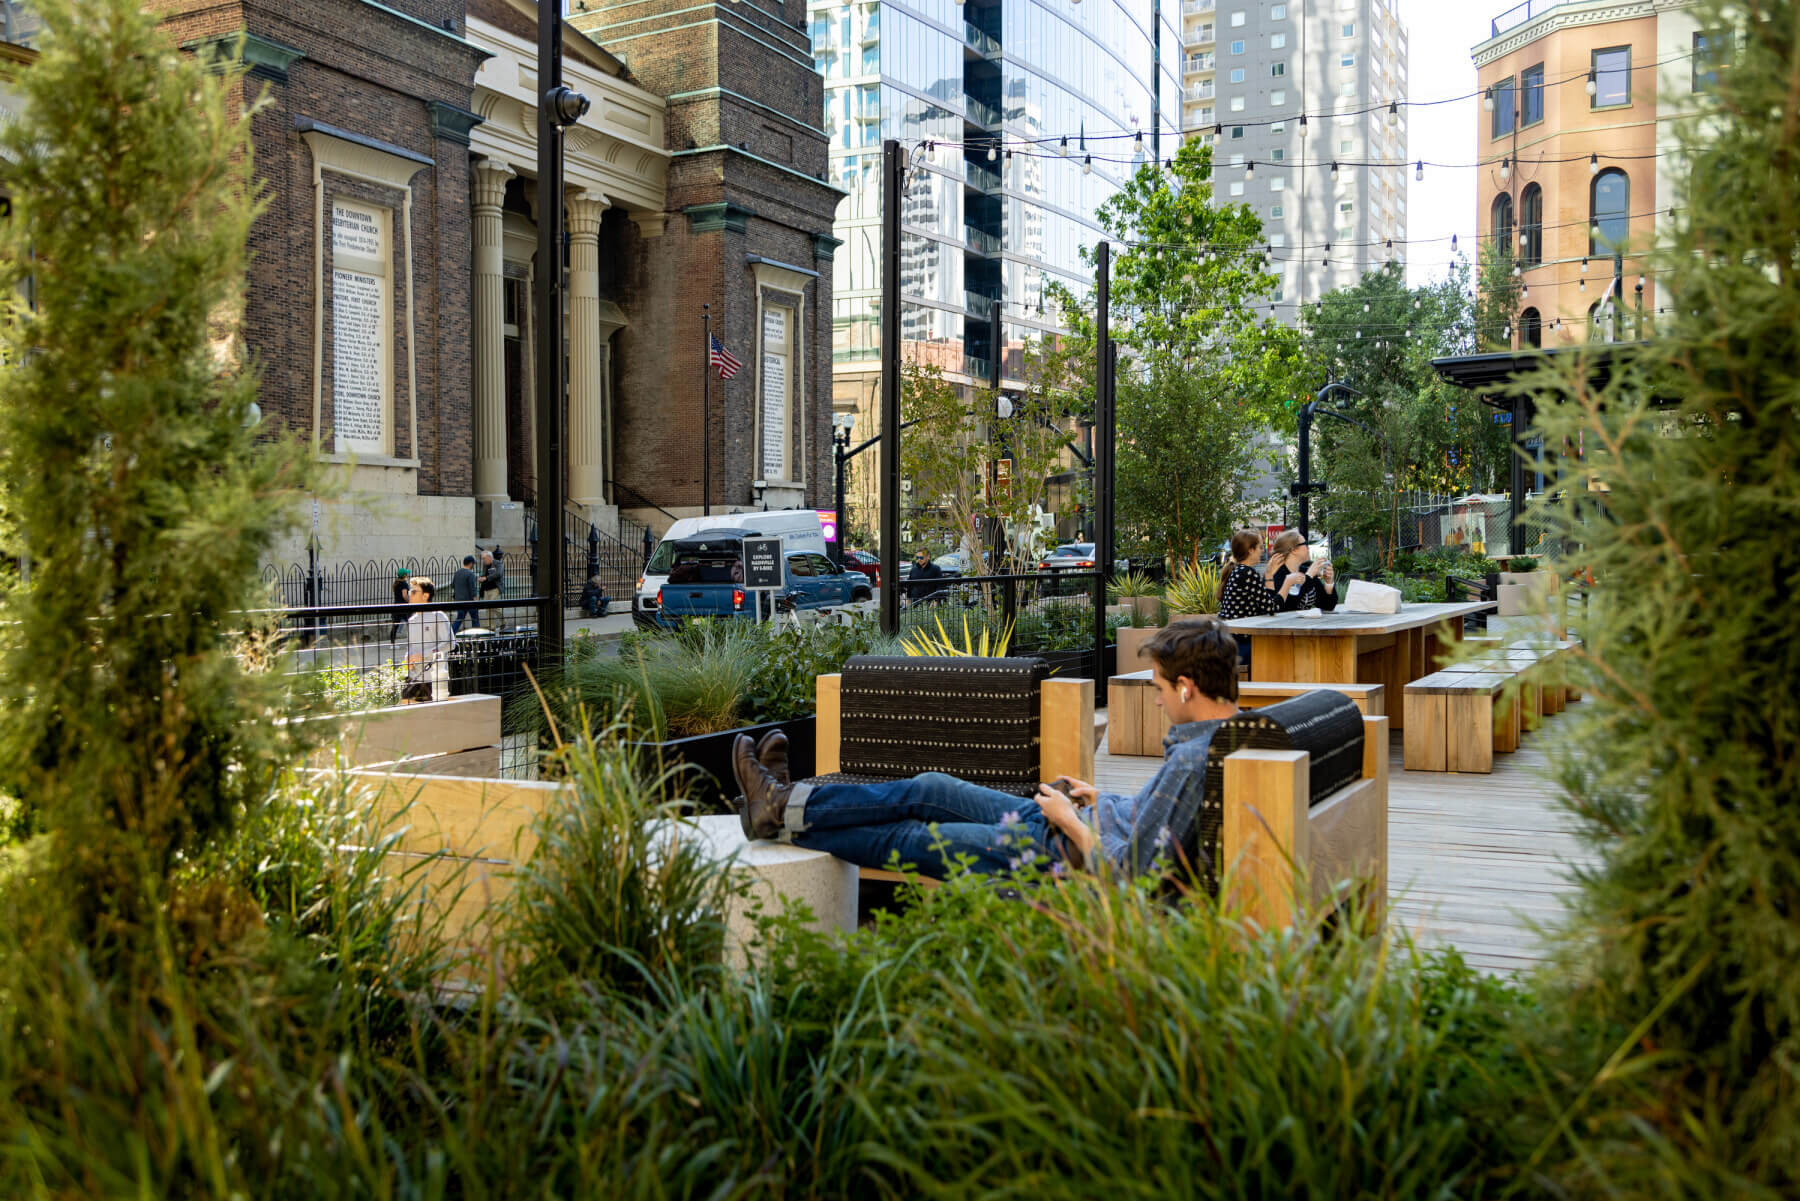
(565, 105)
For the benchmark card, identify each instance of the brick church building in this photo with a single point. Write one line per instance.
(390, 298)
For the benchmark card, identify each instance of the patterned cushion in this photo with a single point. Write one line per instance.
(1325, 724)
(976, 719)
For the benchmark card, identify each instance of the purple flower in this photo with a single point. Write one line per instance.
(1010, 818)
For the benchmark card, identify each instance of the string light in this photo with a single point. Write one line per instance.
(1505, 165)
(1487, 100)
(1419, 169)
(1393, 113)
(1334, 173)
(1593, 164)
(1250, 171)
(1302, 124)
(1218, 132)
(1087, 165)
(1064, 148)
(1592, 85)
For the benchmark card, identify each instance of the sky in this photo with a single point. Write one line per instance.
(1440, 35)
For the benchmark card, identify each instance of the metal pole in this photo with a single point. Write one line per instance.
(840, 439)
(1103, 459)
(550, 379)
(706, 410)
(997, 535)
(1306, 420)
(893, 164)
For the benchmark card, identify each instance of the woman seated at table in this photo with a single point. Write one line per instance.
(1318, 588)
(1247, 592)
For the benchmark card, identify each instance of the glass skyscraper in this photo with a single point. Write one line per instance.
(997, 211)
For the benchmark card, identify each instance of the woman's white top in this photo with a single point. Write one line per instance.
(429, 636)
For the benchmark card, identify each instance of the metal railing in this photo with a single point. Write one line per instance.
(1519, 14)
(979, 40)
(1189, 7)
(371, 582)
(981, 240)
(1051, 615)
(981, 112)
(982, 178)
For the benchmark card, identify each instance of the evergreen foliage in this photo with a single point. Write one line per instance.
(137, 490)
(1685, 771)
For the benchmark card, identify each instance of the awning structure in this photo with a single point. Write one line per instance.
(1491, 375)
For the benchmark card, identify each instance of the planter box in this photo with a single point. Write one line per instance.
(713, 787)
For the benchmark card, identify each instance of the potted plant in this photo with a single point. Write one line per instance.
(1192, 592)
(1137, 597)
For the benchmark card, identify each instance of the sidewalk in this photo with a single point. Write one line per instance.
(610, 626)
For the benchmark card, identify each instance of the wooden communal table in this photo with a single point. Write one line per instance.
(1392, 649)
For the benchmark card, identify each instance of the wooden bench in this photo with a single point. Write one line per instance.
(1456, 720)
(1064, 738)
(1136, 724)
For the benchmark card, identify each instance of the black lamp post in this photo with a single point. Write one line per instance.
(841, 425)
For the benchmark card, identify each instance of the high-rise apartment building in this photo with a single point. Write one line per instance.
(1575, 137)
(1000, 208)
(1303, 103)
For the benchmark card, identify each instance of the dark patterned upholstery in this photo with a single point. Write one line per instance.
(976, 719)
(1325, 724)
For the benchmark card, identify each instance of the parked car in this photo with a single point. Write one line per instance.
(1070, 556)
(863, 561)
(706, 579)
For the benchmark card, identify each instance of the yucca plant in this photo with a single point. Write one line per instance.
(1129, 585)
(1195, 589)
(990, 644)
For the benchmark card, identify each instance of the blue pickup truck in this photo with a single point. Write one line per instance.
(706, 579)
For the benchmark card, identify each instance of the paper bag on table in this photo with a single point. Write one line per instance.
(1364, 596)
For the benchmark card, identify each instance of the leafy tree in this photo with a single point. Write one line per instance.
(1417, 431)
(1678, 490)
(137, 488)
(1195, 357)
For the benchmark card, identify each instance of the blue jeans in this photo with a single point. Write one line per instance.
(927, 821)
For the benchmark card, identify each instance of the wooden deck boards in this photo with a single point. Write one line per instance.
(1474, 861)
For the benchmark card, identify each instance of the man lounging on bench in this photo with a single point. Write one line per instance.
(931, 821)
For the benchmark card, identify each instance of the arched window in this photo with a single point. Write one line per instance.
(1609, 208)
(1531, 328)
(1531, 226)
(1502, 227)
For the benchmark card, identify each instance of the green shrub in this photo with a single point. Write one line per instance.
(1682, 771)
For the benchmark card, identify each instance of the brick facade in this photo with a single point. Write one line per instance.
(747, 181)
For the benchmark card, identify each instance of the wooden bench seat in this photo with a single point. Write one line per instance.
(1457, 719)
(1136, 725)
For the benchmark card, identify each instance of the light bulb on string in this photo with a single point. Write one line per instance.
(1584, 266)
(1365, 306)
(1581, 287)
(1218, 132)
(1334, 173)
(1593, 164)
(1250, 171)
(1524, 291)
(1592, 85)
(1487, 100)
(993, 151)
(1302, 124)
(1505, 167)
(1063, 149)
(1393, 112)
(1087, 165)
(1452, 243)
(1419, 170)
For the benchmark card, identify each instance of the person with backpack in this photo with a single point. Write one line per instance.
(932, 820)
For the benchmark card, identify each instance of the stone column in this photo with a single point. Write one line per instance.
(490, 331)
(587, 358)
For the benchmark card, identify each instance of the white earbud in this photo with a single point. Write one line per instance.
(1184, 694)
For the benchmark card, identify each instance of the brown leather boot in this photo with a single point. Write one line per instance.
(772, 753)
(765, 798)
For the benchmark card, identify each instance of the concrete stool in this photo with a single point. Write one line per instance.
(780, 873)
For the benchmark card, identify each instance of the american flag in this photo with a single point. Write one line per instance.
(726, 362)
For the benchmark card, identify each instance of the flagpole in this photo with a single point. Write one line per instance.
(706, 413)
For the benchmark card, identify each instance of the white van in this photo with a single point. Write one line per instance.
(798, 528)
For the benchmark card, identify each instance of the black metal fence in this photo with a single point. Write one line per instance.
(371, 582)
(1050, 614)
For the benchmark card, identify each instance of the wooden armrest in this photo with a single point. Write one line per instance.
(1066, 729)
(828, 730)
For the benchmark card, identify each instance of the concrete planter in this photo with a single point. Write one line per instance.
(459, 736)
(713, 786)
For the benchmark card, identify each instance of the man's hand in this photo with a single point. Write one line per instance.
(1079, 791)
(1058, 809)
